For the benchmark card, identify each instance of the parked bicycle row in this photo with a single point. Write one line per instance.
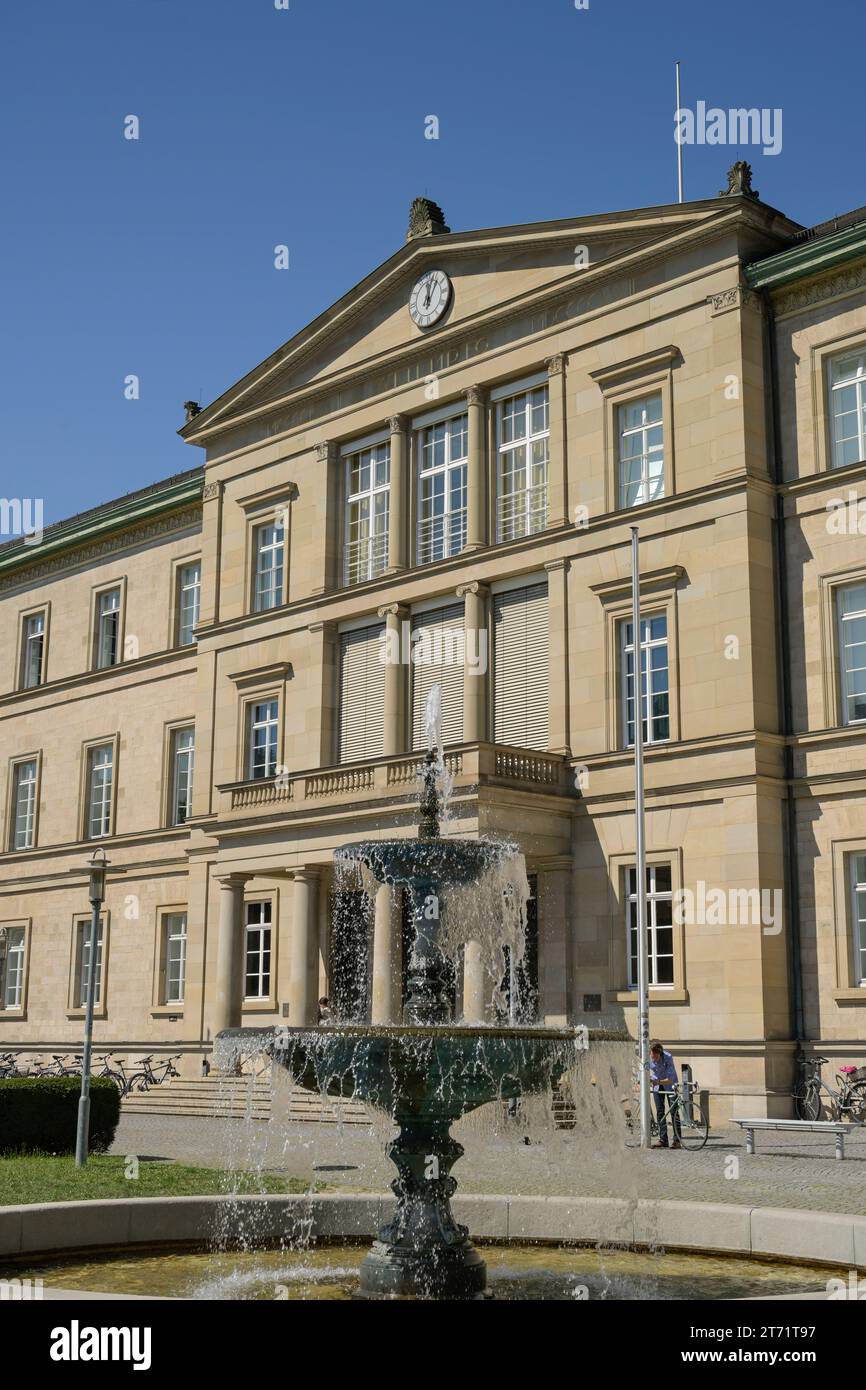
(140, 1077)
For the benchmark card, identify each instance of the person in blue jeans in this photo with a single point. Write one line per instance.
(663, 1075)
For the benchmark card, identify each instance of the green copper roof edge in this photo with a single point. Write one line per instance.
(810, 258)
(112, 518)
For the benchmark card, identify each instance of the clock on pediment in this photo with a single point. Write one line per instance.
(429, 299)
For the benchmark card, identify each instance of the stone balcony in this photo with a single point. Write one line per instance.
(375, 782)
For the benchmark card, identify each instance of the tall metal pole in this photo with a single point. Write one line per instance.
(679, 144)
(81, 1134)
(640, 852)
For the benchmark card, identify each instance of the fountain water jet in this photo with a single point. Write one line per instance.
(427, 1073)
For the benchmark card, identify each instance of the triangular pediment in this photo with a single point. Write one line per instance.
(491, 272)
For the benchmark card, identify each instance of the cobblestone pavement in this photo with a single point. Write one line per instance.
(797, 1171)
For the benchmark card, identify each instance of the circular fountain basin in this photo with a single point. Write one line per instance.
(438, 858)
(515, 1272)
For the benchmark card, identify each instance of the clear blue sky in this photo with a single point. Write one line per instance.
(306, 127)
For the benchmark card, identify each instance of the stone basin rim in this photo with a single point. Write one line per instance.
(441, 1031)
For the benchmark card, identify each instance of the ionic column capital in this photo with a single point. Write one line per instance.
(475, 587)
(392, 610)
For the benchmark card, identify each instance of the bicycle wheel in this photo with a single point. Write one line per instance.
(694, 1129)
(811, 1104)
(857, 1103)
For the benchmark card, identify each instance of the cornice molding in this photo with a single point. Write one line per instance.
(828, 287)
(635, 366)
(667, 578)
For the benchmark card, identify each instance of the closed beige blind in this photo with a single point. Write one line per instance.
(521, 667)
(443, 641)
(362, 694)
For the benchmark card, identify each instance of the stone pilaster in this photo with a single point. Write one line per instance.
(557, 681)
(327, 518)
(557, 485)
(554, 929)
(321, 716)
(394, 713)
(225, 1010)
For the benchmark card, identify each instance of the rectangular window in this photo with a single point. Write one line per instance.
(362, 694)
(848, 409)
(442, 489)
(100, 780)
(521, 667)
(654, 682)
(33, 651)
(24, 804)
(263, 725)
(82, 974)
(174, 955)
(660, 930)
(858, 916)
(641, 451)
(182, 765)
(12, 969)
(188, 602)
(108, 628)
(438, 637)
(852, 651)
(258, 950)
(270, 564)
(524, 452)
(368, 482)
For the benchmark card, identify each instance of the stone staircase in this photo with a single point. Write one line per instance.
(238, 1098)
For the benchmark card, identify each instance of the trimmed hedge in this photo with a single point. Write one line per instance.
(38, 1114)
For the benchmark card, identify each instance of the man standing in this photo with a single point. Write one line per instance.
(664, 1078)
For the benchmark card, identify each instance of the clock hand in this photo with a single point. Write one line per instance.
(429, 292)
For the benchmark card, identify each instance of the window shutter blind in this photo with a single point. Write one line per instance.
(521, 667)
(444, 640)
(362, 694)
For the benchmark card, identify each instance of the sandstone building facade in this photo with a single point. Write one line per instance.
(443, 470)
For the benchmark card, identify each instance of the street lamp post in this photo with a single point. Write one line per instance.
(98, 866)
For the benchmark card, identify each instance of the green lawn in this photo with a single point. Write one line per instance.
(46, 1178)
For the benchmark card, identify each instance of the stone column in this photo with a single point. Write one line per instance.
(559, 723)
(328, 528)
(477, 986)
(476, 488)
(228, 986)
(398, 525)
(211, 542)
(557, 485)
(304, 952)
(476, 660)
(554, 933)
(394, 711)
(387, 1005)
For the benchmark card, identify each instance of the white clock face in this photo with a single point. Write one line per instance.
(430, 298)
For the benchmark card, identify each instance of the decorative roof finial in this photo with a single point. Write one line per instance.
(739, 181)
(192, 409)
(426, 218)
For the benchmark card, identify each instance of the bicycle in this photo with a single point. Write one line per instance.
(147, 1077)
(117, 1073)
(846, 1103)
(683, 1102)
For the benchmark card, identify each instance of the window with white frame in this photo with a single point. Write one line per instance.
(100, 785)
(848, 409)
(257, 978)
(82, 957)
(174, 956)
(368, 483)
(851, 607)
(858, 916)
(270, 543)
(660, 930)
(523, 447)
(641, 451)
(654, 679)
(24, 777)
(263, 719)
(108, 628)
(188, 602)
(182, 767)
(12, 969)
(442, 464)
(33, 651)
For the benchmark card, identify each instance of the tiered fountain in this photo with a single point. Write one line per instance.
(428, 1072)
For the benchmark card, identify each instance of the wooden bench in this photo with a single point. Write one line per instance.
(837, 1128)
